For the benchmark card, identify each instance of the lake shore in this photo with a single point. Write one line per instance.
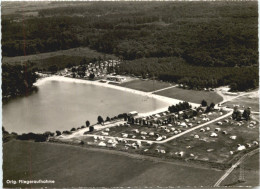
(169, 101)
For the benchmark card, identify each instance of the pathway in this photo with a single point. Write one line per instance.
(162, 89)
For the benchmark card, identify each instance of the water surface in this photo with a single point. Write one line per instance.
(62, 105)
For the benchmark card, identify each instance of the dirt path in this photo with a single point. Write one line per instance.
(235, 165)
(163, 89)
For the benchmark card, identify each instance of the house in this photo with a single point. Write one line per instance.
(207, 128)
(219, 123)
(159, 138)
(217, 129)
(190, 125)
(133, 113)
(172, 129)
(143, 137)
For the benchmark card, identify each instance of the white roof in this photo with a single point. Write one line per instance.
(133, 112)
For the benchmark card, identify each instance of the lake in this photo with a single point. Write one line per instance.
(62, 105)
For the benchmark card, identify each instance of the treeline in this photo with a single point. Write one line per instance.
(202, 33)
(16, 81)
(174, 69)
(179, 107)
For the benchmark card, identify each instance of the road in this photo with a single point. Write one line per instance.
(235, 165)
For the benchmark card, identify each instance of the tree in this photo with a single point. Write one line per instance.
(91, 128)
(91, 76)
(73, 129)
(87, 123)
(100, 120)
(58, 133)
(212, 105)
(246, 114)
(108, 118)
(236, 114)
(204, 103)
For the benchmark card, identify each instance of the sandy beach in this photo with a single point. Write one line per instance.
(168, 100)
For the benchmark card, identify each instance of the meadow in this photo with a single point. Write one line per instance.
(246, 101)
(251, 173)
(146, 85)
(191, 95)
(72, 166)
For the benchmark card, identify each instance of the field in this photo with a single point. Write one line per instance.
(247, 101)
(74, 52)
(145, 85)
(251, 172)
(72, 166)
(191, 95)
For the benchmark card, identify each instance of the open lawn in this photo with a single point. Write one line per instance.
(191, 95)
(145, 85)
(74, 52)
(72, 166)
(251, 173)
(246, 101)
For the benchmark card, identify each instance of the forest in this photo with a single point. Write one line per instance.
(210, 43)
(16, 81)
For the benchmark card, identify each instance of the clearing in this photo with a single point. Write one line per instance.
(191, 95)
(72, 166)
(145, 85)
(250, 170)
(74, 52)
(249, 100)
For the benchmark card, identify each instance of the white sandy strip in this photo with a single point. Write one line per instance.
(169, 101)
(163, 89)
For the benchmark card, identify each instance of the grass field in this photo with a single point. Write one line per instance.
(191, 95)
(72, 166)
(251, 172)
(247, 101)
(75, 52)
(145, 85)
